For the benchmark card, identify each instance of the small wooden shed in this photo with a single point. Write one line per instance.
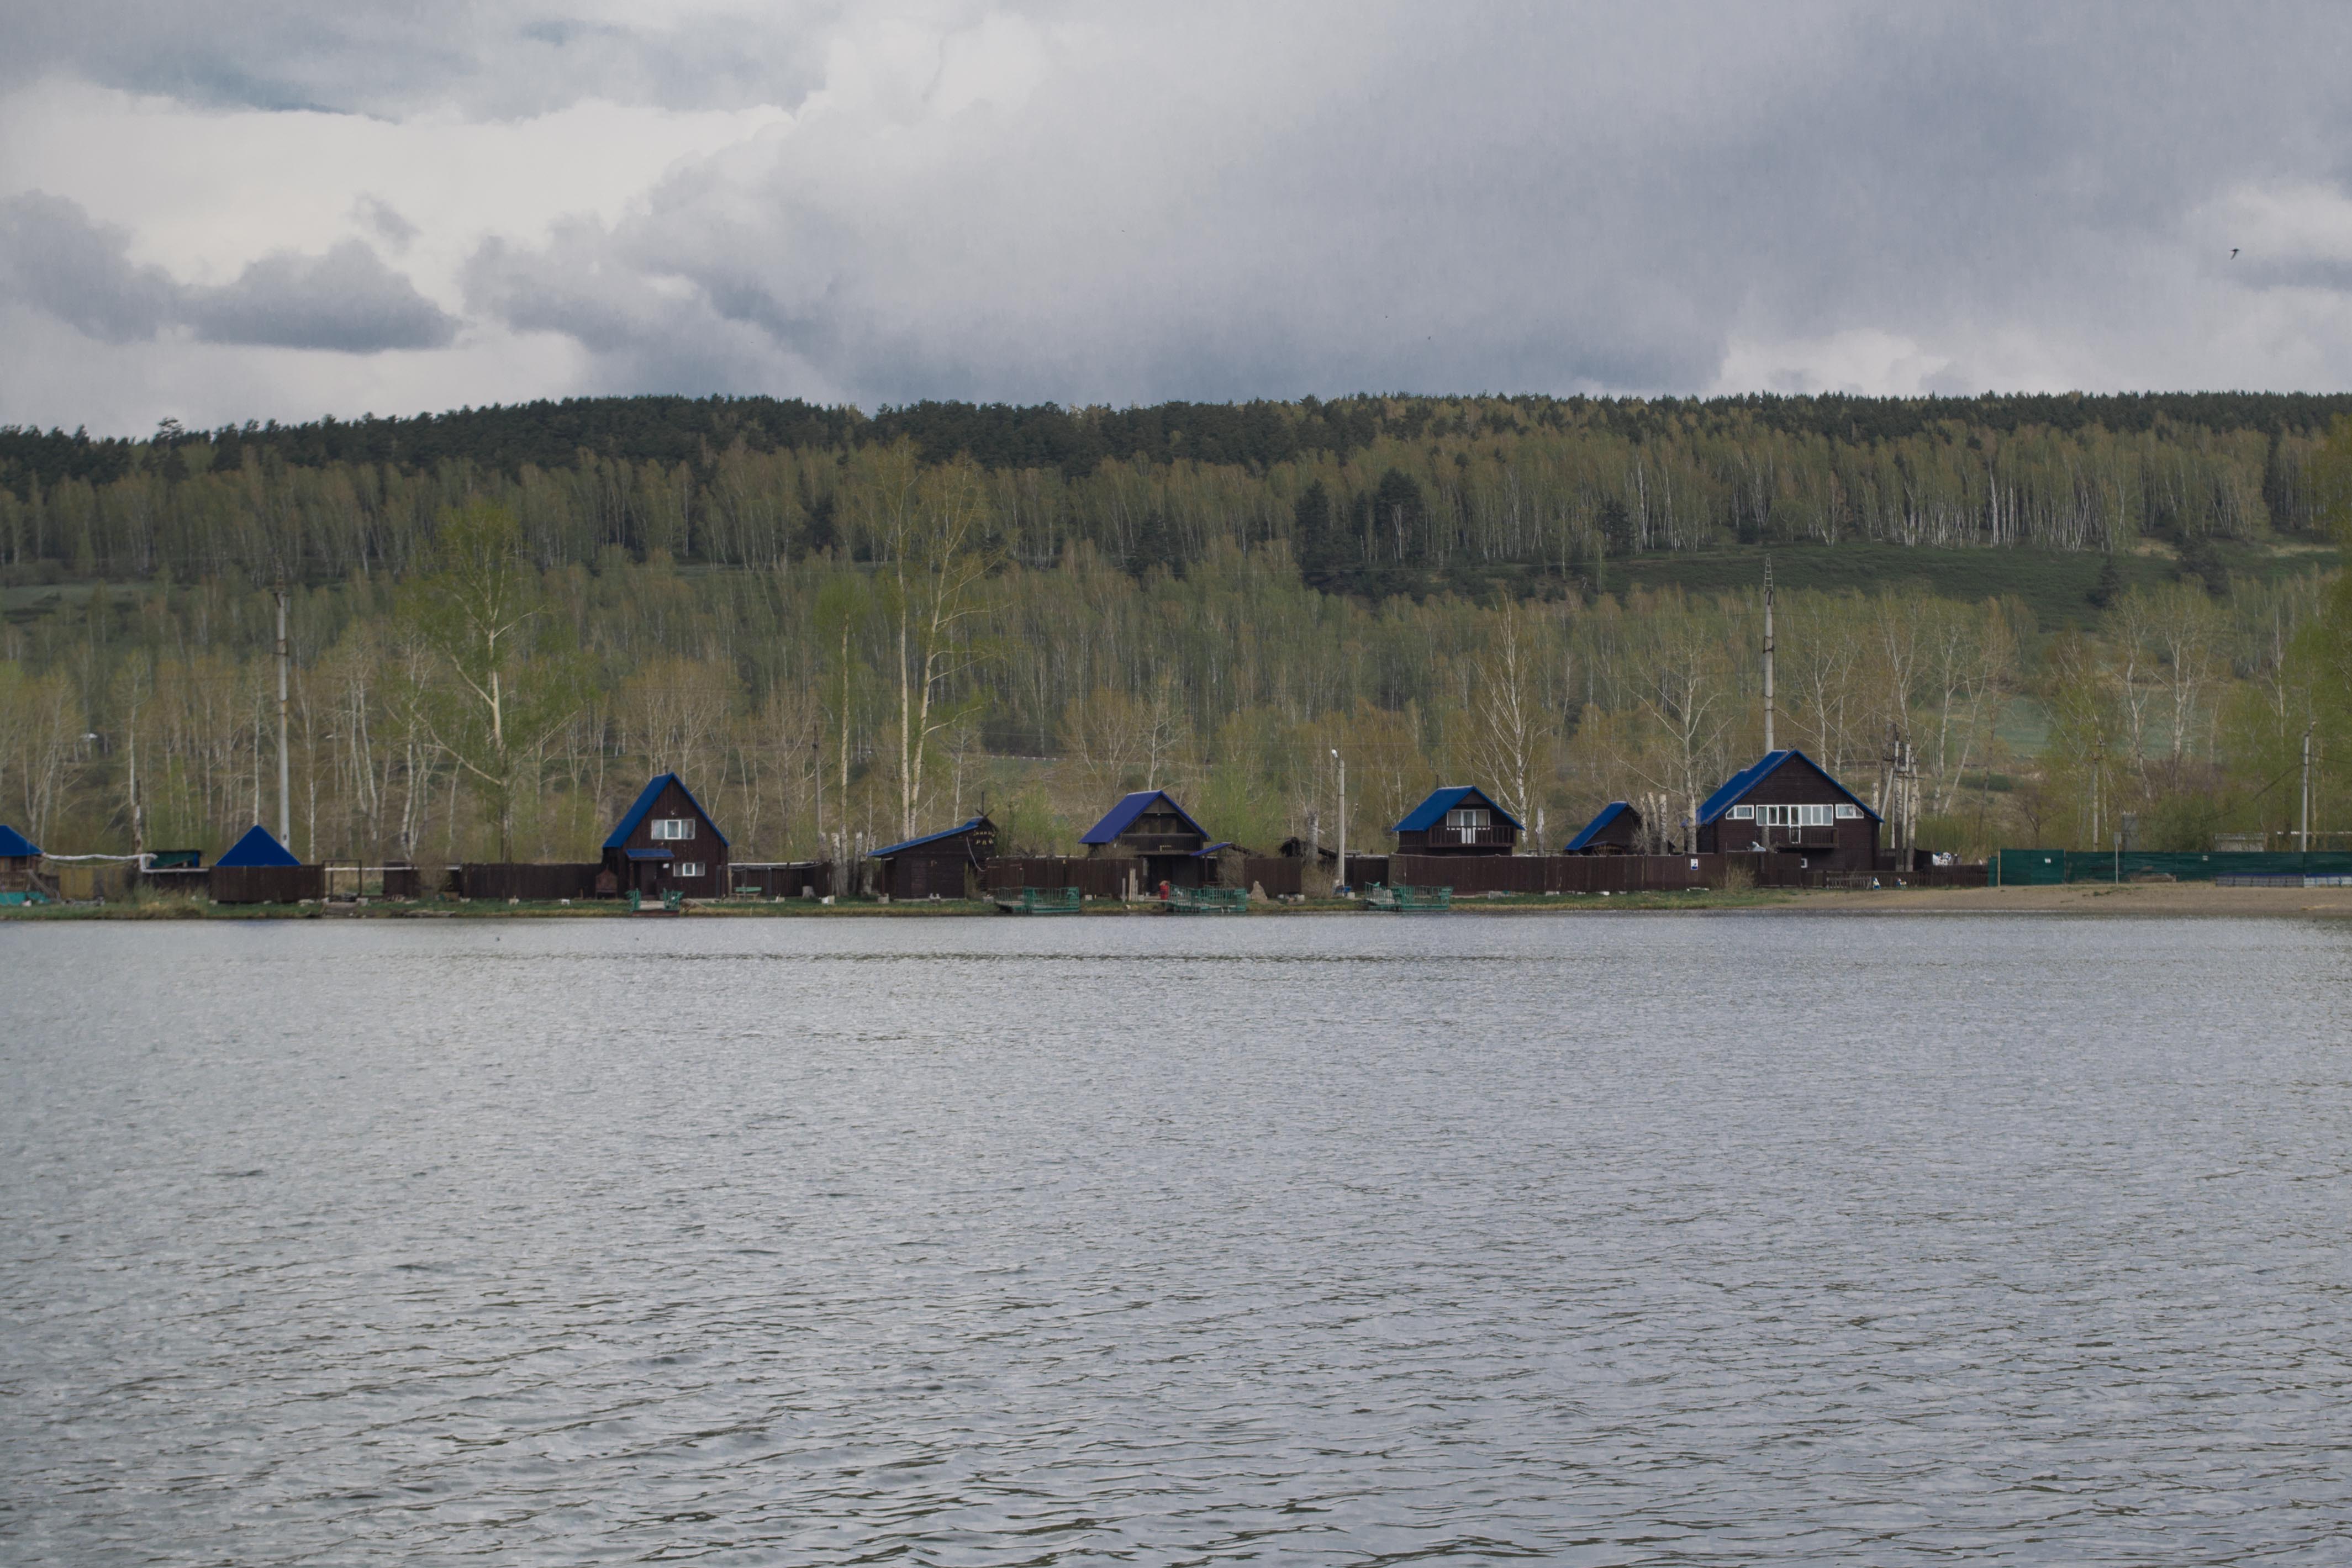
(664, 840)
(936, 865)
(1615, 829)
(1786, 803)
(1459, 820)
(1150, 827)
(20, 862)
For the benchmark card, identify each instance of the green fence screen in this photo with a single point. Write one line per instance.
(2020, 867)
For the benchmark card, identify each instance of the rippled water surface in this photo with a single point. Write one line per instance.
(1605, 1240)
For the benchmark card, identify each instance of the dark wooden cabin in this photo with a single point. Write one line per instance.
(1460, 820)
(1615, 829)
(937, 865)
(1297, 847)
(1788, 804)
(666, 840)
(1149, 827)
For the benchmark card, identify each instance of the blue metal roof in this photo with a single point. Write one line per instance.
(619, 836)
(1593, 828)
(257, 847)
(1206, 850)
(926, 838)
(1740, 783)
(1431, 813)
(16, 845)
(646, 855)
(1121, 817)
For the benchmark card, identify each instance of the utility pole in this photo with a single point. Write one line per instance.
(1768, 653)
(2303, 833)
(285, 785)
(1343, 814)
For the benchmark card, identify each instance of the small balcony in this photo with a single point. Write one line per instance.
(1472, 838)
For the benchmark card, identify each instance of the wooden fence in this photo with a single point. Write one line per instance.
(1094, 877)
(266, 884)
(1277, 877)
(538, 883)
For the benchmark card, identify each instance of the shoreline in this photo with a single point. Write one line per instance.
(2078, 900)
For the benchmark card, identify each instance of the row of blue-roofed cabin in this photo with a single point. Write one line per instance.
(1787, 804)
(1458, 819)
(945, 864)
(666, 841)
(1150, 827)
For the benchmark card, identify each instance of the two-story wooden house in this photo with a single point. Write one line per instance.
(1459, 820)
(1788, 804)
(666, 840)
(1150, 827)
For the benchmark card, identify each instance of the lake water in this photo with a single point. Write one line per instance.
(1602, 1240)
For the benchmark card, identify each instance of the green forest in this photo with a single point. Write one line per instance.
(843, 629)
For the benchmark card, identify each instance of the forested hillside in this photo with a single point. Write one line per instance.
(842, 627)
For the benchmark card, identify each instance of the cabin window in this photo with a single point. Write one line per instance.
(667, 828)
(1468, 817)
(686, 868)
(1743, 813)
(1849, 813)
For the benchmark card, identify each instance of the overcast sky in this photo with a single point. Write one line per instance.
(280, 209)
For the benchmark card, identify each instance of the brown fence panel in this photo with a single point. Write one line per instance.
(1095, 876)
(401, 882)
(1280, 878)
(540, 883)
(263, 884)
(1363, 870)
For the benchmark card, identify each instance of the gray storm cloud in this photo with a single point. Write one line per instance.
(55, 259)
(1049, 201)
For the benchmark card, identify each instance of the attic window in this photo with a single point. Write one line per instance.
(1743, 813)
(1468, 817)
(670, 829)
(1849, 813)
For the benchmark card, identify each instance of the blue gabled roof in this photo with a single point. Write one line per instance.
(1599, 823)
(1771, 762)
(1431, 813)
(1121, 817)
(619, 836)
(257, 848)
(926, 838)
(14, 845)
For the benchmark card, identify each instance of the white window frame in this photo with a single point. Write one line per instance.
(1847, 814)
(686, 868)
(1743, 813)
(1469, 816)
(673, 829)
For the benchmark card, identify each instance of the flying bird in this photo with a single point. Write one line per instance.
(2233, 253)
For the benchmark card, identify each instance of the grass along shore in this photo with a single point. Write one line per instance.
(2186, 898)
